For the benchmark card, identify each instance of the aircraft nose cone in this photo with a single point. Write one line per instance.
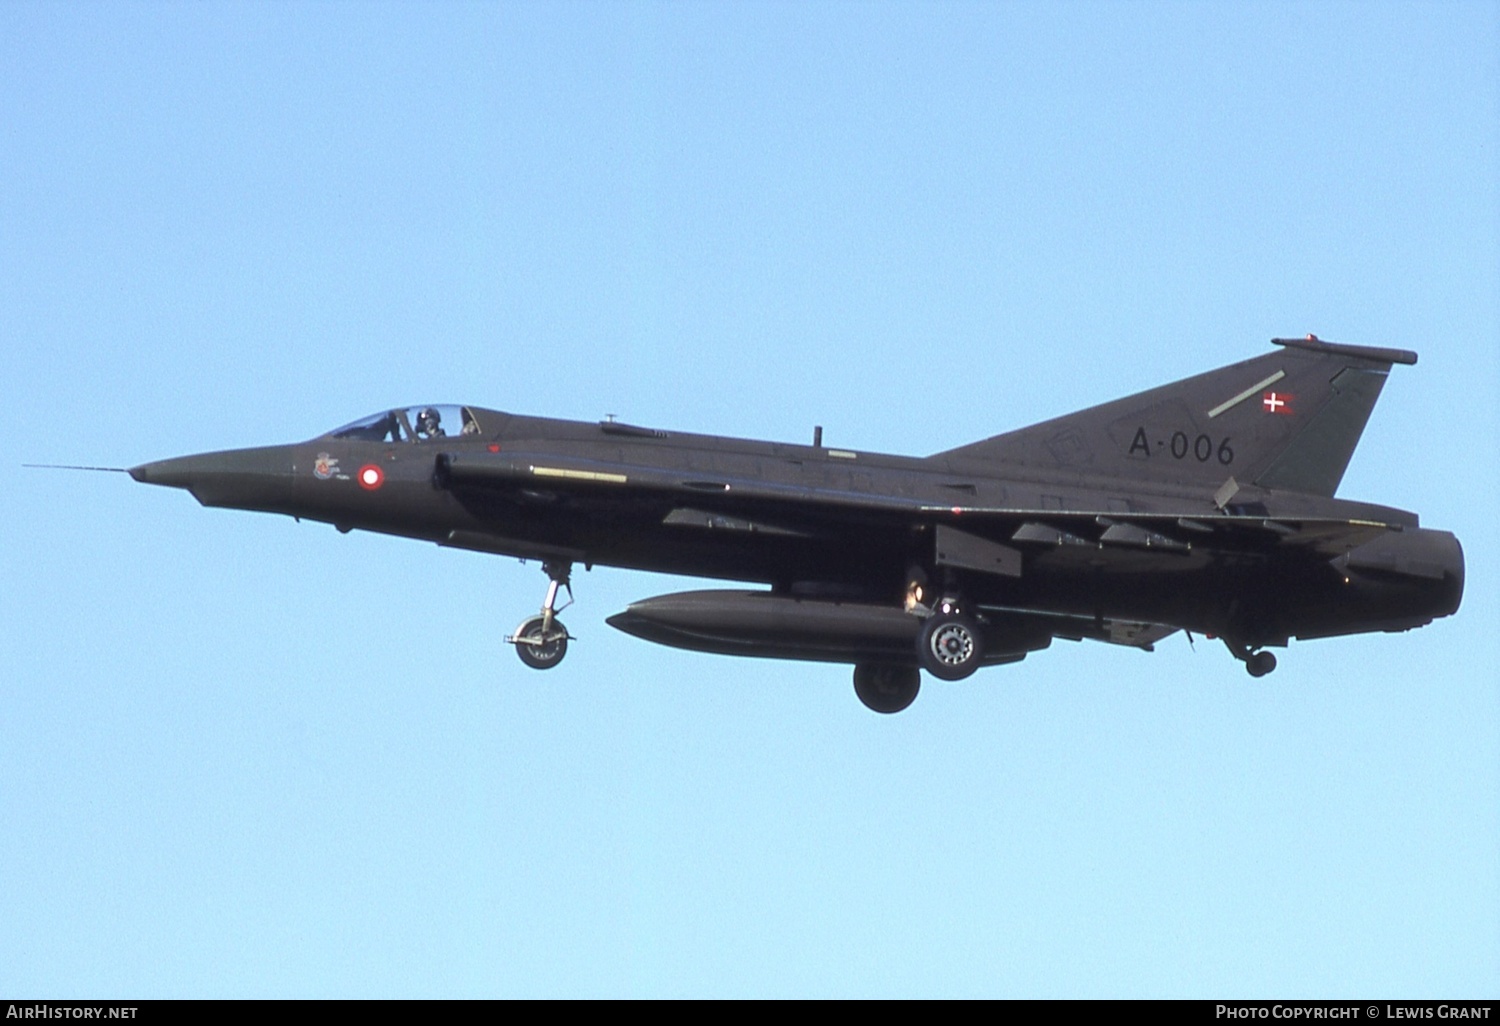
(175, 473)
(248, 478)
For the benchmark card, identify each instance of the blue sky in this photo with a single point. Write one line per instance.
(247, 757)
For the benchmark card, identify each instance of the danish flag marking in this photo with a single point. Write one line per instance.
(1277, 402)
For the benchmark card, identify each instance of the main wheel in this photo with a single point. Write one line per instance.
(537, 650)
(1260, 664)
(949, 646)
(887, 689)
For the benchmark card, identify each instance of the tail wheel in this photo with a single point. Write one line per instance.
(950, 646)
(538, 648)
(887, 689)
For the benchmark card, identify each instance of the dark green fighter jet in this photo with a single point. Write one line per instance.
(1206, 505)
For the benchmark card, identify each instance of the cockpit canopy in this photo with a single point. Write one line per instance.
(413, 424)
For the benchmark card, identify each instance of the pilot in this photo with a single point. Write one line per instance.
(429, 424)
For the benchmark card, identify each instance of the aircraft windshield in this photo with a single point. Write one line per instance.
(413, 424)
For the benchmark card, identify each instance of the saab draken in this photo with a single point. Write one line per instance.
(1205, 506)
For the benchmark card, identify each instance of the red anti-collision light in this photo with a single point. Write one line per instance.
(371, 477)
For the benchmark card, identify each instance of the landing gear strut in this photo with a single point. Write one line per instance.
(542, 641)
(1257, 664)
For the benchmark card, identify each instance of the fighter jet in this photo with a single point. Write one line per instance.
(1204, 506)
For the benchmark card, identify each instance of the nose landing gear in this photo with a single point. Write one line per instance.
(541, 641)
(1257, 664)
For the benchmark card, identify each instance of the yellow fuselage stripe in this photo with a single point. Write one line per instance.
(579, 475)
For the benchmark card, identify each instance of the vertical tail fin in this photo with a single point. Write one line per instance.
(1288, 420)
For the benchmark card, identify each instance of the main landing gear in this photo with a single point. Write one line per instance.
(541, 641)
(887, 689)
(1257, 664)
(950, 645)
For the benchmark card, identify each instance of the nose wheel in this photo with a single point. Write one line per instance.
(541, 641)
(1257, 664)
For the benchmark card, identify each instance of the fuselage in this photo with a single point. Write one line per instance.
(836, 523)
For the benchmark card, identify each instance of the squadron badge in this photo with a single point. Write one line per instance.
(325, 466)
